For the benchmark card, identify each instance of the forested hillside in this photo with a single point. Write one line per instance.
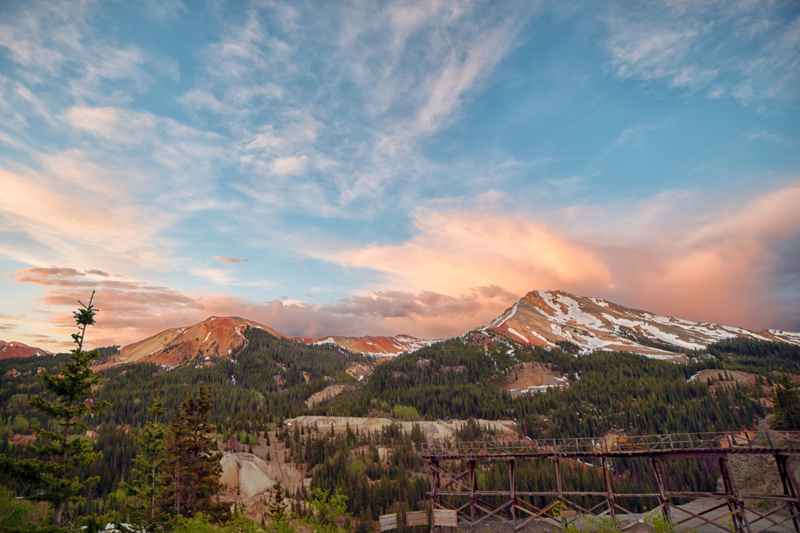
(607, 391)
(251, 395)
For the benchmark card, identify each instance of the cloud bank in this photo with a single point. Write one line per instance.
(462, 268)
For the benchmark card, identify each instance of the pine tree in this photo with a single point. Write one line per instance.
(276, 511)
(192, 468)
(64, 451)
(787, 407)
(144, 485)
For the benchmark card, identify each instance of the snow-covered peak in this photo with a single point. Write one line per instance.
(547, 317)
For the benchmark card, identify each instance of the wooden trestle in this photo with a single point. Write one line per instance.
(454, 482)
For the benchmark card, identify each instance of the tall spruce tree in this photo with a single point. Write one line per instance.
(787, 407)
(192, 468)
(64, 451)
(145, 483)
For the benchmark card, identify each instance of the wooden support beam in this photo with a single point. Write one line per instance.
(699, 516)
(559, 481)
(473, 483)
(663, 499)
(435, 482)
(512, 486)
(491, 512)
(789, 489)
(735, 505)
(612, 504)
(559, 487)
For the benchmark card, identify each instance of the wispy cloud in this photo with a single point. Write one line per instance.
(767, 136)
(408, 68)
(218, 276)
(229, 260)
(56, 39)
(746, 50)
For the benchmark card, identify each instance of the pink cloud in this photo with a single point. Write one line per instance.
(455, 251)
(463, 268)
(721, 266)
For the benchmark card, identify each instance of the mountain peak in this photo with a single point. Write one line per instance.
(216, 337)
(549, 317)
(15, 349)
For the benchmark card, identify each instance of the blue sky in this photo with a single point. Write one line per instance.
(353, 167)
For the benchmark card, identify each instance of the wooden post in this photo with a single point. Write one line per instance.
(662, 489)
(512, 485)
(612, 507)
(559, 482)
(789, 489)
(434, 489)
(560, 490)
(735, 505)
(473, 483)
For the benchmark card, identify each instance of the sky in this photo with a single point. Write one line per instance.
(395, 167)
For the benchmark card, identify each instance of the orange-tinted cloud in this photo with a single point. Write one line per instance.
(455, 251)
(130, 310)
(729, 269)
(722, 269)
(426, 314)
(71, 223)
(463, 268)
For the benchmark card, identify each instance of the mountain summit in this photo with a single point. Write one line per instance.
(213, 338)
(13, 349)
(547, 318)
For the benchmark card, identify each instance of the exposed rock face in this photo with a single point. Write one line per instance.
(329, 392)
(546, 318)
(530, 378)
(433, 430)
(213, 338)
(245, 475)
(14, 349)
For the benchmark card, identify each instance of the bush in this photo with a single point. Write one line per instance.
(200, 523)
(20, 516)
(405, 412)
(328, 508)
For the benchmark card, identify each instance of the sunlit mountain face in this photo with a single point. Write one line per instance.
(380, 173)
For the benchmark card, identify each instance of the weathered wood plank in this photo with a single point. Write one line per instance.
(445, 517)
(388, 522)
(416, 518)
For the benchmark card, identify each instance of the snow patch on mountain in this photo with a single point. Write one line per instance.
(546, 318)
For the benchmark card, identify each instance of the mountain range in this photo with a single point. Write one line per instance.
(541, 318)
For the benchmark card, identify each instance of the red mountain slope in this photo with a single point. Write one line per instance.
(378, 346)
(13, 349)
(214, 337)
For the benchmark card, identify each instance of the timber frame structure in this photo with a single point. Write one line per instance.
(453, 471)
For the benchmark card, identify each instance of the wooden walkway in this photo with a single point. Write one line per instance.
(454, 467)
